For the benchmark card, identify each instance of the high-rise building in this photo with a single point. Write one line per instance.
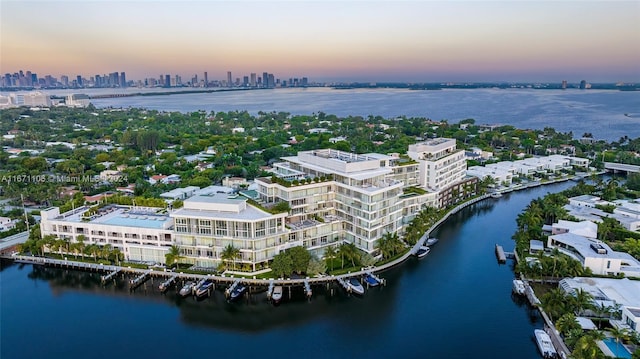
(65, 80)
(253, 79)
(583, 84)
(206, 80)
(229, 83)
(265, 78)
(167, 81)
(123, 80)
(271, 82)
(245, 81)
(79, 80)
(564, 84)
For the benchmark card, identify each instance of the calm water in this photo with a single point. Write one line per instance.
(455, 303)
(599, 112)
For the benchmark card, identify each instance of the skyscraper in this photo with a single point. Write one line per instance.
(265, 79)
(123, 80)
(206, 80)
(583, 84)
(564, 84)
(253, 79)
(167, 81)
(229, 83)
(79, 80)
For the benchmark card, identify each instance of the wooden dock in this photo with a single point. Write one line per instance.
(502, 258)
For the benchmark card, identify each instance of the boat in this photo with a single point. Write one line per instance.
(187, 289)
(238, 291)
(495, 195)
(431, 241)
(544, 344)
(422, 252)
(371, 280)
(518, 286)
(276, 295)
(355, 286)
(204, 288)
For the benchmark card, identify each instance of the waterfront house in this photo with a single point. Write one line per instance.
(595, 255)
(613, 293)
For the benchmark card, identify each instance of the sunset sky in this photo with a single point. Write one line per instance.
(419, 41)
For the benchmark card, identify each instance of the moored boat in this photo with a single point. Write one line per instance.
(422, 252)
(495, 195)
(276, 295)
(518, 286)
(238, 291)
(431, 241)
(371, 280)
(356, 286)
(544, 344)
(204, 288)
(187, 289)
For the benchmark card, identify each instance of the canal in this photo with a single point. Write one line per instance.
(455, 303)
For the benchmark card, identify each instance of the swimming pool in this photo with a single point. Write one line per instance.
(617, 348)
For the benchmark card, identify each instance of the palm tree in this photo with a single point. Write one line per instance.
(567, 322)
(329, 254)
(553, 302)
(173, 256)
(581, 301)
(230, 253)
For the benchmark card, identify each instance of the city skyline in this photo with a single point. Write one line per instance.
(429, 41)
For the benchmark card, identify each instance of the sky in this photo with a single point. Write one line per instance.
(371, 41)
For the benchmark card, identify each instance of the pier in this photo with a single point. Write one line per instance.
(139, 280)
(307, 289)
(108, 277)
(502, 258)
(270, 289)
(344, 284)
(167, 283)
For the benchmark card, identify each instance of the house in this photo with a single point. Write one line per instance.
(585, 228)
(180, 193)
(234, 182)
(595, 255)
(7, 224)
(157, 179)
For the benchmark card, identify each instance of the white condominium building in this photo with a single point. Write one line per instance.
(141, 234)
(358, 191)
(441, 164)
(209, 223)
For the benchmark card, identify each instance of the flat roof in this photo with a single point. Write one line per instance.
(623, 291)
(125, 216)
(583, 246)
(248, 214)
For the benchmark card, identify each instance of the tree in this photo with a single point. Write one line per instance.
(316, 266)
(300, 258)
(329, 254)
(282, 264)
(173, 256)
(566, 323)
(581, 301)
(230, 253)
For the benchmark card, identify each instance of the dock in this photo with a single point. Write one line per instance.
(502, 258)
(344, 284)
(307, 289)
(139, 280)
(167, 283)
(108, 277)
(270, 289)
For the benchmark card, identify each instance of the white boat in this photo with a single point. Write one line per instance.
(544, 344)
(496, 195)
(276, 295)
(422, 252)
(204, 289)
(187, 289)
(356, 286)
(518, 286)
(431, 241)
